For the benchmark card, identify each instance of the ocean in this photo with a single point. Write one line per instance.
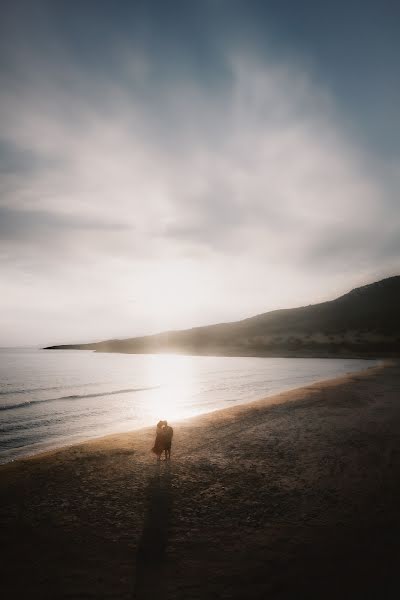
(53, 398)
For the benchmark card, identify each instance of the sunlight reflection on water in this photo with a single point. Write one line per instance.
(172, 400)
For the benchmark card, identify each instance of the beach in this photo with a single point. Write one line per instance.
(294, 495)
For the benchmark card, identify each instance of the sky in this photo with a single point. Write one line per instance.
(165, 165)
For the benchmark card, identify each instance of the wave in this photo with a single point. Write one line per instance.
(75, 397)
(43, 389)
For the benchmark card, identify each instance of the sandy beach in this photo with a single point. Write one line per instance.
(291, 496)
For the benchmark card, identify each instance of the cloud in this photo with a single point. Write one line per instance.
(30, 224)
(205, 200)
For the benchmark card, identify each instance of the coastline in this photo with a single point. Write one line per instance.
(235, 353)
(49, 448)
(262, 488)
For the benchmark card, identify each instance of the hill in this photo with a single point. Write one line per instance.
(363, 322)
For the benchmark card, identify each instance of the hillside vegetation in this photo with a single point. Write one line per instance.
(363, 322)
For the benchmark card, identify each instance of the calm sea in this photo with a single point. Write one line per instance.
(51, 398)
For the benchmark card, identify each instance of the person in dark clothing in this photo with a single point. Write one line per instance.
(168, 432)
(159, 444)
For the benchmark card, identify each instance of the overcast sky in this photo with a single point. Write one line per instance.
(171, 164)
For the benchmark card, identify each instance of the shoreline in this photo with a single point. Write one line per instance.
(382, 362)
(326, 354)
(293, 495)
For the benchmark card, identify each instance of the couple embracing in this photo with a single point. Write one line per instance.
(163, 441)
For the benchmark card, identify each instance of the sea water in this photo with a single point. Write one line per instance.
(52, 398)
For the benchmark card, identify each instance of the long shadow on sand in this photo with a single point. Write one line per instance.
(153, 542)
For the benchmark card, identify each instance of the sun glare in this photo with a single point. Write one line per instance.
(172, 292)
(175, 378)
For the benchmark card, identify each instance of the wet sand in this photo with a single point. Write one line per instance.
(295, 496)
